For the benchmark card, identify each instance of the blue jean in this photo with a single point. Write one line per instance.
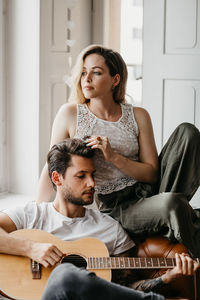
(68, 282)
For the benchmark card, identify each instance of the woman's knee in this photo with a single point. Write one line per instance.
(189, 132)
(173, 202)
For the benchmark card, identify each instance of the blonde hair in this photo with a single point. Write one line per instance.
(115, 64)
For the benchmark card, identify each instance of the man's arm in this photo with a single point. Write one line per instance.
(46, 254)
(185, 266)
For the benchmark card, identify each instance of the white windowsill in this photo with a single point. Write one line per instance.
(8, 200)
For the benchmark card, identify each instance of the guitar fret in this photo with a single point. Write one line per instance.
(142, 262)
(133, 262)
(122, 264)
(161, 262)
(155, 262)
(129, 265)
(114, 265)
(118, 265)
(169, 262)
(88, 262)
(96, 263)
(105, 263)
(109, 262)
(137, 264)
(148, 262)
(102, 263)
(93, 262)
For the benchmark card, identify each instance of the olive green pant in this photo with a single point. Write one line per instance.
(164, 208)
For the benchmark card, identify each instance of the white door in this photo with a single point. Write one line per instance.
(171, 65)
(65, 29)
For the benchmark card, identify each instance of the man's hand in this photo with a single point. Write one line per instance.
(46, 254)
(185, 266)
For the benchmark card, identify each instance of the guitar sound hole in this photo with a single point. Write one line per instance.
(76, 260)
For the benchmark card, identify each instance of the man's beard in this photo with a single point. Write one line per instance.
(69, 197)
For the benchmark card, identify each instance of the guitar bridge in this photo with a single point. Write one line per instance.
(35, 269)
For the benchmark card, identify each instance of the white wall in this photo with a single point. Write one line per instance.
(22, 95)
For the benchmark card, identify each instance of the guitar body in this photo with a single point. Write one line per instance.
(15, 273)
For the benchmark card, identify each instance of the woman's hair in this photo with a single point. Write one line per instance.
(115, 64)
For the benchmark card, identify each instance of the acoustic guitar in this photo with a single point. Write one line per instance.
(24, 279)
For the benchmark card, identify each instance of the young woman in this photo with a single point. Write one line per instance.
(146, 194)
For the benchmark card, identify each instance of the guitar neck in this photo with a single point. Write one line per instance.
(131, 263)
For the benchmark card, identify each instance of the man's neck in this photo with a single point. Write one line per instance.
(68, 209)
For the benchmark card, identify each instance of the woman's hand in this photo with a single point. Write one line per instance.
(185, 266)
(102, 143)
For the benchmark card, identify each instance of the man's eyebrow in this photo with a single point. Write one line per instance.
(84, 171)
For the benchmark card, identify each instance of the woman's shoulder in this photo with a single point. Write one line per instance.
(140, 112)
(68, 108)
(66, 111)
(142, 117)
(65, 121)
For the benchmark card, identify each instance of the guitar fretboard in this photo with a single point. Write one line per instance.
(130, 263)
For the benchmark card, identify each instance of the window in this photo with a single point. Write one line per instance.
(19, 57)
(118, 24)
(131, 46)
(3, 168)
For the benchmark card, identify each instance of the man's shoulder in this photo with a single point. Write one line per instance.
(33, 204)
(26, 207)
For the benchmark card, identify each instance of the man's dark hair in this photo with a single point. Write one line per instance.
(59, 156)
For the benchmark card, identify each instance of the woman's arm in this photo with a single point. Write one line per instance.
(146, 169)
(64, 126)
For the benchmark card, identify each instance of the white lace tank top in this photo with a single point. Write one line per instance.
(123, 138)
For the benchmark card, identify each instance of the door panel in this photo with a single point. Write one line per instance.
(171, 65)
(181, 20)
(178, 94)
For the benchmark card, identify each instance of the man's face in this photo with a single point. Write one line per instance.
(78, 182)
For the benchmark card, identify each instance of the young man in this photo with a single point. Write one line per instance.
(71, 171)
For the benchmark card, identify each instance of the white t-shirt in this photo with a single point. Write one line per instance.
(94, 224)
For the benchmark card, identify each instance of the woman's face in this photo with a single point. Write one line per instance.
(96, 81)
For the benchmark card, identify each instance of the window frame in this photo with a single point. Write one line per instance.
(3, 142)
